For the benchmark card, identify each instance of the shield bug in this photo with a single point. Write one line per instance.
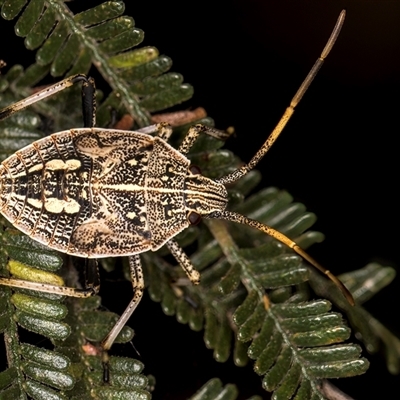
(94, 192)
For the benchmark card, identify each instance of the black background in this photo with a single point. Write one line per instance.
(338, 155)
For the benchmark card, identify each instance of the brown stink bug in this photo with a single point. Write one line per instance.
(94, 192)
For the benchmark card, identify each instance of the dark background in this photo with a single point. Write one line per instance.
(338, 155)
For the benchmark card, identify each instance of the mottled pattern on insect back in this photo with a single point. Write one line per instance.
(95, 193)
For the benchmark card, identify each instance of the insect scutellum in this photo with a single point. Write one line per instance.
(94, 192)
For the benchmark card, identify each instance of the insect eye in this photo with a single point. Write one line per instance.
(194, 218)
(195, 170)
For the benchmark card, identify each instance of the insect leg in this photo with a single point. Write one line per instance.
(138, 288)
(194, 132)
(88, 98)
(48, 288)
(92, 277)
(88, 102)
(47, 282)
(241, 219)
(163, 130)
(184, 261)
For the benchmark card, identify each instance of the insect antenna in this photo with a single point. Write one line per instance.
(241, 219)
(240, 172)
(237, 174)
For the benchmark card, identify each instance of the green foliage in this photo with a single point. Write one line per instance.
(70, 370)
(102, 37)
(254, 302)
(213, 390)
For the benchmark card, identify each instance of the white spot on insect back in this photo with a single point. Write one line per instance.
(73, 164)
(56, 206)
(58, 164)
(55, 164)
(132, 162)
(71, 206)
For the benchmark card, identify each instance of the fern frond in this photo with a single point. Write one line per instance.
(259, 298)
(37, 372)
(91, 326)
(365, 283)
(42, 373)
(214, 390)
(258, 294)
(102, 37)
(294, 345)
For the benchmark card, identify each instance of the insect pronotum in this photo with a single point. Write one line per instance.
(93, 192)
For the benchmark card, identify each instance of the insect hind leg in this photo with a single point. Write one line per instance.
(136, 274)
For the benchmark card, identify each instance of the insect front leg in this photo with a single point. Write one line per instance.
(163, 130)
(194, 132)
(184, 261)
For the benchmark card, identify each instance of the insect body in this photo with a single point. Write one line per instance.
(95, 192)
